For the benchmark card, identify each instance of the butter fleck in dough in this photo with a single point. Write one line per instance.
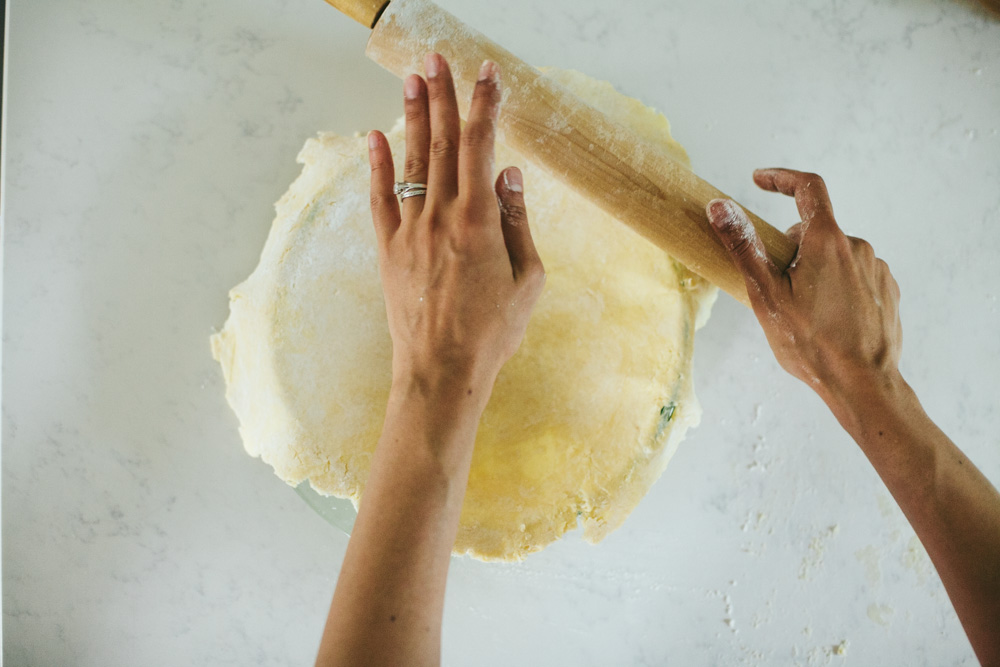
(582, 420)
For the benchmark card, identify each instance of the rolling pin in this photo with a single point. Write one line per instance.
(605, 162)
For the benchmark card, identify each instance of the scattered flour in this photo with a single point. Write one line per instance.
(817, 548)
(870, 558)
(880, 614)
(915, 558)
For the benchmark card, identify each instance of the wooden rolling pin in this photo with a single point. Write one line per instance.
(607, 163)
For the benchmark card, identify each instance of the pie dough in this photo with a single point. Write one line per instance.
(582, 420)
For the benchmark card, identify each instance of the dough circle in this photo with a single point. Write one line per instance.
(582, 420)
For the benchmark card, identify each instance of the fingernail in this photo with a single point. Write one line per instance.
(488, 71)
(411, 87)
(432, 63)
(372, 141)
(512, 179)
(722, 213)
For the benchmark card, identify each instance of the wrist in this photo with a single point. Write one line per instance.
(434, 415)
(449, 383)
(864, 401)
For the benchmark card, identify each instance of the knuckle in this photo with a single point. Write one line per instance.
(477, 135)
(514, 212)
(486, 91)
(414, 111)
(741, 246)
(862, 247)
(812, 179)
(443, 146)
(438, 90)
(414, 166)
(484, 88)
(462, 243)
(378, 200)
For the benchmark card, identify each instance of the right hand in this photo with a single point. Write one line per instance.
(832, 317)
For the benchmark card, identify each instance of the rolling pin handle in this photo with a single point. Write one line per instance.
(365, 12)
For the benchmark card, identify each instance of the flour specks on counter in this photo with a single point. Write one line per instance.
(145, 145)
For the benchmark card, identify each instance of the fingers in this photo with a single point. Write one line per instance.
(739, 237)
(418, 140)
(385, 207)
(442, 179)
(475, 156)
(524, 257)
(809, 190)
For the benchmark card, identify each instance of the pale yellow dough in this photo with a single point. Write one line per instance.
(582, 420)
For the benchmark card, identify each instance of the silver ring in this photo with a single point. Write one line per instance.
(404, 190)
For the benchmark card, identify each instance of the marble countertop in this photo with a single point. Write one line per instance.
(146, 143)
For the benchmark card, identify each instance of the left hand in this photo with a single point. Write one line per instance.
(459, 268)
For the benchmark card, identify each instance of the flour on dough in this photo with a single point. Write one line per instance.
(582, 420)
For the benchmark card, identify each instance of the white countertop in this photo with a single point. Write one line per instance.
(146, 144)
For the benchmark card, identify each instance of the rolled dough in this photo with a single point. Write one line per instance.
(582, 420)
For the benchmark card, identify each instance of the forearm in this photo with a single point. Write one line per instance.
(388, 604)
(953, 508)
(832, 319)
(460, 274)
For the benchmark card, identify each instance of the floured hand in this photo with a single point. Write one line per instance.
(832, 318)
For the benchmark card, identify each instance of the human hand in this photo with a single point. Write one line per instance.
(459, 269)
(831, 318)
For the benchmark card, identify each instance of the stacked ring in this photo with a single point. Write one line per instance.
(404, 190)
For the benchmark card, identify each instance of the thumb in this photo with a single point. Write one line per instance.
(739, 237)
(514, 222)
